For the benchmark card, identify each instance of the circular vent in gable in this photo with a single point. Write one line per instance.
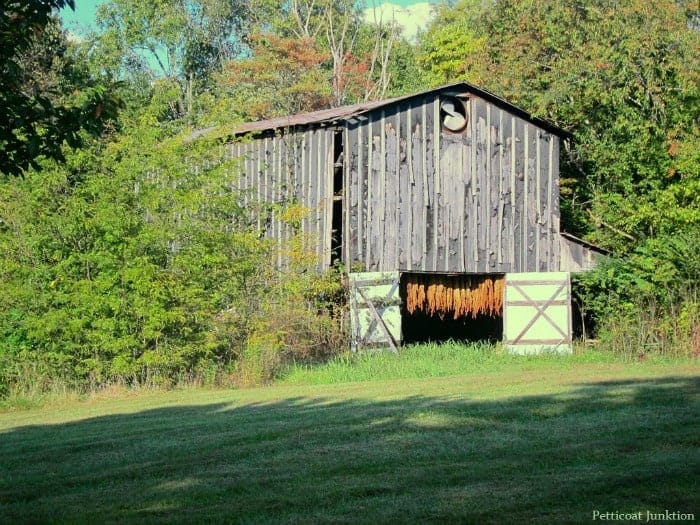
(453, 114)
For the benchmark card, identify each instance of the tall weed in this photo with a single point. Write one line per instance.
(645, 329)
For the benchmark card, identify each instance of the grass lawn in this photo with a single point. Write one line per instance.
(531, 441)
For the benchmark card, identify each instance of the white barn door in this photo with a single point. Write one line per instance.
(537, 313)
(375, 310)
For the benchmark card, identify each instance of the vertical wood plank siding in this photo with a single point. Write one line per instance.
(422, 199)
(415, 197)
(293, 168)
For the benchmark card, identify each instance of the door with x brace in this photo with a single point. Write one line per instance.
(537, 313)
(375, 311)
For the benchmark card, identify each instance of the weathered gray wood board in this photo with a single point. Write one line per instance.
(294, 168)
(423, 199)
(375, 311)
(537, 313)
(415, 196)
(576, 255)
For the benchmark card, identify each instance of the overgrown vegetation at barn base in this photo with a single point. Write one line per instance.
(135, 264)
(649, 302)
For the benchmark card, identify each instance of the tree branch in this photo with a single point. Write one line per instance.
(601, 222)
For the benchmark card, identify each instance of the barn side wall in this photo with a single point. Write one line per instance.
(576, 256)
(294, 168)
(482, 201)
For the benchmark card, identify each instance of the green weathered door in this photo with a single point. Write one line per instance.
(537, 313)
(375, 310)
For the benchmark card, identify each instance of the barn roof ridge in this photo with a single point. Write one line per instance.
(344, 113)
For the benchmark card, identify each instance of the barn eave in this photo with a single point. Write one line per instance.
(356, 112)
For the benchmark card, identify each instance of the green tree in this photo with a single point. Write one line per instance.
(282, 76)
(172, 45)
(367, 59)
(46, 99)
(453, 34)
(115, 264)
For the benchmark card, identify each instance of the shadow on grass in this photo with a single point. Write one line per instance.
(625, 446)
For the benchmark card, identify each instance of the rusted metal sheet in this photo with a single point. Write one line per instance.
(345, 113)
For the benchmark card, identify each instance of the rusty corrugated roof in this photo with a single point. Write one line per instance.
(314, 117)
(343, 113)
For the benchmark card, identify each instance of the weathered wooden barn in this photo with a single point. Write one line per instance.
(452, 193)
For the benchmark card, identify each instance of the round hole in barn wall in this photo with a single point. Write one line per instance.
(453, 114)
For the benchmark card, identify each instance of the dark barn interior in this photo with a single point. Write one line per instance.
(422, 328)
(434, 322)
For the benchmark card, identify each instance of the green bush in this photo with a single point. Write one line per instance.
(649, 302)
(135, 264)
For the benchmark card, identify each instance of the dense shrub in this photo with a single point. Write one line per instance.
(136, 264)
(649, 302)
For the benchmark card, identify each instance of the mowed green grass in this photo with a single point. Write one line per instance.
(536, 441)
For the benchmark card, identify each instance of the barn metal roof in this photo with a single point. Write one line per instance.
(344, 113)
(585, 244)
(315, 117)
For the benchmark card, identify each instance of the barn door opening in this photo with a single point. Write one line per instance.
(537, 312)
(375, 312)
(440, 307)
(336, 241)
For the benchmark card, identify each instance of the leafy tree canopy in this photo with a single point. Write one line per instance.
(180, 42)
(46, 99)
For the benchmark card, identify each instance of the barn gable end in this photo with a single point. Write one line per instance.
(482, 200)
